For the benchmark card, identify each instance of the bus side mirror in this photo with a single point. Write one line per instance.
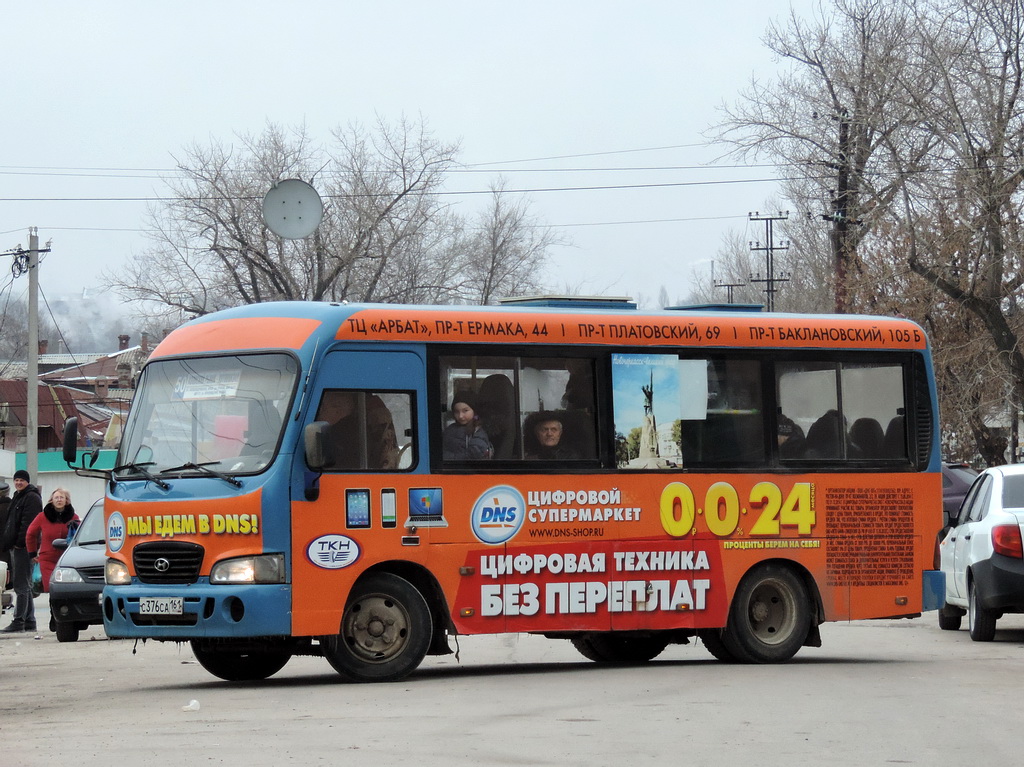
(70, 440)
(316, 444)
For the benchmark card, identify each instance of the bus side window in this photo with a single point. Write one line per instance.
(362, 432)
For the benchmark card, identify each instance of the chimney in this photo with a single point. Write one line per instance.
(122, 343)
(124, 375)
(145, 343)
(43, 346)
(102, 388)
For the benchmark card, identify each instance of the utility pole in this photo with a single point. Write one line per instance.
(28, 261)
(32, 374)
(769, 249)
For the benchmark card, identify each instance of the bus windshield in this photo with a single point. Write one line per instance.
(222, 414)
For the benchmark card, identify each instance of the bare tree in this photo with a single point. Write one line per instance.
(386, 235)
(830, 118)
(506, 250)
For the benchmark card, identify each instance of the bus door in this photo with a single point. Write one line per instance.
(374, 450)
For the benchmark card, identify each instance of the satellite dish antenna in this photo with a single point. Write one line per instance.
(292, 209)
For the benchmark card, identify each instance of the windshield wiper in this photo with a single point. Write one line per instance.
(90, 543)
(205, 469)
(139, 467)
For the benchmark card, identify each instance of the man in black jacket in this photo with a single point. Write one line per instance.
(25, 505)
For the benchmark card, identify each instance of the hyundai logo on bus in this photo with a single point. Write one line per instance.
(498, 514)
(115, 531)
(332, 552)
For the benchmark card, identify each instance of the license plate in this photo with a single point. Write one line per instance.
(161, 606)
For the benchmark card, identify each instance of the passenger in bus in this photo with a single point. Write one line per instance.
(346, 439)
(545, 433)
(790, 437)
(465, 438)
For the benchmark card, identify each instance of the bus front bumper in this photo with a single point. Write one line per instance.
(150, 611)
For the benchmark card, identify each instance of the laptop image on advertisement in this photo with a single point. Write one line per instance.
(426, 507)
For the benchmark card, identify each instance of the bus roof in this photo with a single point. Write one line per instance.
(292, 325)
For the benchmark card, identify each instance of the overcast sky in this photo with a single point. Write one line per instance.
(100, 97)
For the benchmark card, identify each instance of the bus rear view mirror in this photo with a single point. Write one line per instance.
(316, 443)
(70, 440)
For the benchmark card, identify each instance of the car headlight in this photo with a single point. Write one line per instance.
(66, 575)
(115, 573)
(266, 568)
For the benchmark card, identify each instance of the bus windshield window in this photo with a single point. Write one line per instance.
(226, 412)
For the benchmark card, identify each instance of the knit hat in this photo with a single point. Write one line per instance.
(22, 474)
(467, 398)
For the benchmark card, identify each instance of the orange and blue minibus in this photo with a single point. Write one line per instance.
(367, 482)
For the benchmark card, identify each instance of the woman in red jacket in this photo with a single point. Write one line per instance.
(52, 523)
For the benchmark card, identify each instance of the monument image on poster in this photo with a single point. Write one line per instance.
(646, 390)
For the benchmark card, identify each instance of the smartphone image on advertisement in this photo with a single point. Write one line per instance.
(357, 508)
(388, 515)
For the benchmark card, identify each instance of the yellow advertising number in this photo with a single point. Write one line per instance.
(722, 510)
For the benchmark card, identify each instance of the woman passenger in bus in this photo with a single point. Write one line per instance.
(465, 438)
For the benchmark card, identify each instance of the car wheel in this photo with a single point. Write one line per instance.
(950, 618)
(238, 665)
(385, 631)
(982, 622)
(66, 632)
(770, 616)
(611, 648)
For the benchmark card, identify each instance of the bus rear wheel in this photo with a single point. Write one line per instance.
(385, 631)
(770, 616)
(238, 665)
(616, 648)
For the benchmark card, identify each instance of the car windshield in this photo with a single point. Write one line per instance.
(224, 413)
(92, 529)
(1013, 492)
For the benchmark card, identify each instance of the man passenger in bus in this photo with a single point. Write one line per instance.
(547, 433)
(346, 438)
(790, 437)
(465, 438)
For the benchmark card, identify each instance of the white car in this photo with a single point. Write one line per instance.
(982, 555)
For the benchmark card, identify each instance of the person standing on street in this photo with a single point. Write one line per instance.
(55, 522)
(5, 503)
(25, 506)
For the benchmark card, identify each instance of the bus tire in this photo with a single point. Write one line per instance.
(237, 665)
(714, 644)
(616, 648)
(385, 631)
(980, 621)
(770, 616)
(950, 618)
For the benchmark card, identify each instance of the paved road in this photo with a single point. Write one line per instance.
(875, 693)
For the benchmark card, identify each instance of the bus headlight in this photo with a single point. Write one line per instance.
(116, 573)
(266, 568)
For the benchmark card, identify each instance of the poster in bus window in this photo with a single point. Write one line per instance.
(647, 396)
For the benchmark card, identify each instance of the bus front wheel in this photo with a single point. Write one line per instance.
(385, 631)
(770, 616)
(238, 665)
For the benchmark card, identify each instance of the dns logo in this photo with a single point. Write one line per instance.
(115, 532)
(498, 514)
